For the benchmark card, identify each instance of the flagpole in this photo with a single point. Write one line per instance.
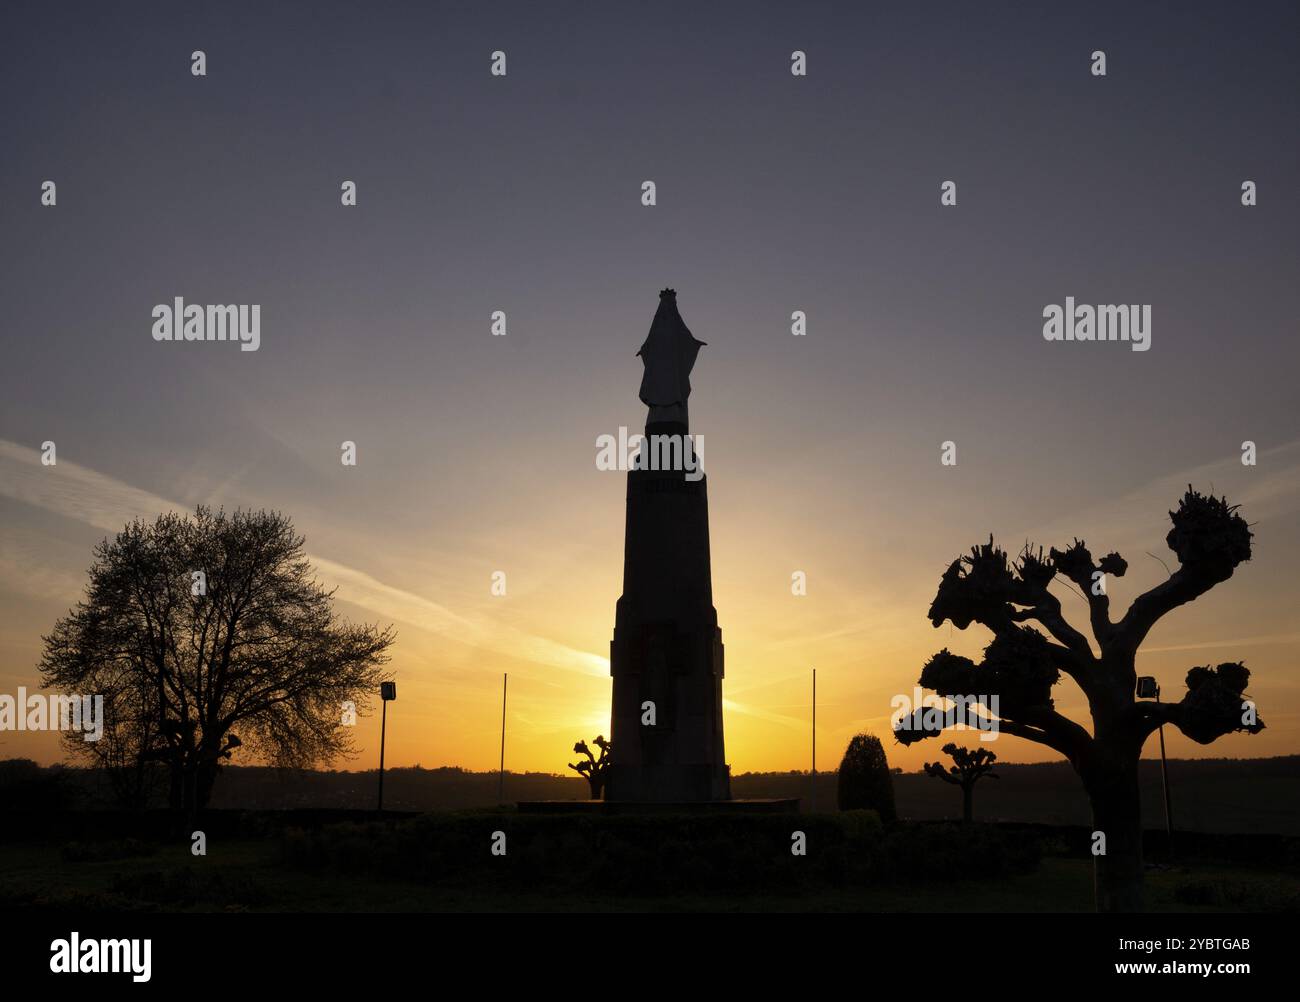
(812, 799)
(501, 786)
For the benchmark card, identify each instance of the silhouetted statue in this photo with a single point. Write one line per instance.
(969, 768)
(1021, 666)
(668, 355)
(593, 770)
(666, 658)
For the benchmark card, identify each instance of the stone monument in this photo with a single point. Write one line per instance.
(666, 655)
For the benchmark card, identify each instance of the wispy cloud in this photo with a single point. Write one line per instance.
(1261, 641)
(1134, 524)
(83, 494)
(774, 718)
(1269, 490)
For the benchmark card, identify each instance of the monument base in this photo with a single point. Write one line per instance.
(609, 807)
(669, 783)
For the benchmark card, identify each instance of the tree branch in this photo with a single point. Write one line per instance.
(1210, 540)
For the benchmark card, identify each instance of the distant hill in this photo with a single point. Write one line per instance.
(1212, 795)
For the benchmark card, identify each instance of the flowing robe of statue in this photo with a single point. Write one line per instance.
(668, 355)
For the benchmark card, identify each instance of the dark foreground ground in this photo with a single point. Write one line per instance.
(308, 841)
(251, 879)
(327, 861)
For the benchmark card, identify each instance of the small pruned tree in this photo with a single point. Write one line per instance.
(968, 768)
(594, 770)
(864, 780)
(1021, 666)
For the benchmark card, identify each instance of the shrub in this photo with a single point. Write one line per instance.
(188, 887)
(1237, 895)
(865, 781)
(959, 852)
(98, 852)
(649, 855)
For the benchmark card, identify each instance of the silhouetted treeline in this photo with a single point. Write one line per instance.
(1213, 795)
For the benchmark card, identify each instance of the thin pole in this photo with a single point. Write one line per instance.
(812, 799)
(1164, 782)
(501, 786)
(383, 729)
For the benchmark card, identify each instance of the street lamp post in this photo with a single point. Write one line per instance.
(1149, 688)
(387, 692)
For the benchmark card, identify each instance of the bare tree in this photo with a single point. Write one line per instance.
(968, 768)
(126, 753)
(193, 626)
(1021, 666)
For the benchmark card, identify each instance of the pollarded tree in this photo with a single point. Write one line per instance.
(1021, 666)
(594, 770)
(968, 768)
(200, 628)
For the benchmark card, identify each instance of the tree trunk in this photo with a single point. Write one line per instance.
(967, 806)
(1117, 813)
(176, 787)
(204, 782)
(190, 787)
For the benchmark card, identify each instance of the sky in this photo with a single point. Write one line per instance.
(774, 193)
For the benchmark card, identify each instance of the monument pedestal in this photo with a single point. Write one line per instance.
(666, 657)
(616, 807)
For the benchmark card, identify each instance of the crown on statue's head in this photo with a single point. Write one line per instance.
(667, 293)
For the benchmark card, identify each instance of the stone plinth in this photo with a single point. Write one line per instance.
(607, 807)
(667, 647)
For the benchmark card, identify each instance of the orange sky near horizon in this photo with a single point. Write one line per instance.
(862, 623)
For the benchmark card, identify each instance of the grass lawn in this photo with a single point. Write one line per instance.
(248, 876)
